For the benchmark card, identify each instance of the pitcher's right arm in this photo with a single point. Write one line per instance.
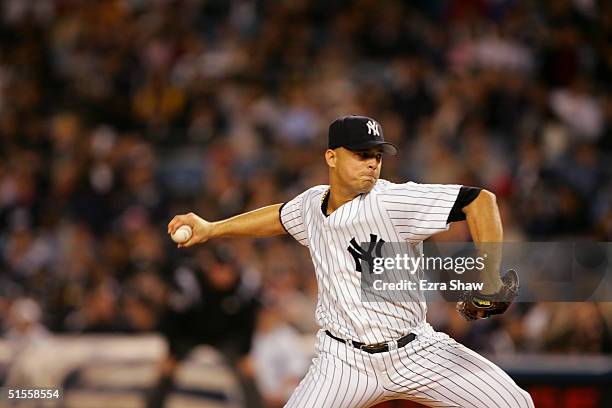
(263, 222)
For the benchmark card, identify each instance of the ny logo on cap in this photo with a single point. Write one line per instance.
(373, 128)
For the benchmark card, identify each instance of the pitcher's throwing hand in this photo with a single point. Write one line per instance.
(201, 230)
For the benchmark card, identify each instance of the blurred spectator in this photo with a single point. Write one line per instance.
(279, 356)
(588, 332)
(24, 323)
(215, 303)
(578, 109)
(26, 335)
(99, 313)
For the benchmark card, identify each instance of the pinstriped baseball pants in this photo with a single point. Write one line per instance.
(433, 370)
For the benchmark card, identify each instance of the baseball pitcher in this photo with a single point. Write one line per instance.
(368, 352)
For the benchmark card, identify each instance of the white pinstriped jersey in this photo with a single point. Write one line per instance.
(408, 212)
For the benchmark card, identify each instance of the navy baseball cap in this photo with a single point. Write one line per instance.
(358, 133)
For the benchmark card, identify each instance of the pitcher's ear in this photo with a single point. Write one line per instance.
(330, 157)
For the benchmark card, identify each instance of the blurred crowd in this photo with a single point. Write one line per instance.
(116, 115)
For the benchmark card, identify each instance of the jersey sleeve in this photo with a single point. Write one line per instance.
(418, 211)
(292, 218)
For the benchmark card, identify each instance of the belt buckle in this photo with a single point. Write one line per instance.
(375, 348)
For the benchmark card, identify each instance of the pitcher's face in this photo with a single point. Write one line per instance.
(355, 170)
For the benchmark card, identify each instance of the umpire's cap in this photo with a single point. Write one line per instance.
(358, 133)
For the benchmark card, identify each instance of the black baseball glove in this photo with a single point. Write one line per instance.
(475, 305)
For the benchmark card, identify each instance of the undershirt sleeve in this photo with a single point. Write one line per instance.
(465, 197)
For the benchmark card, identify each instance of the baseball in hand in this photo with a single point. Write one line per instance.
(182, 234)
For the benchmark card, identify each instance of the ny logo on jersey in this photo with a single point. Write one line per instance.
(359, 254)
(373, 128)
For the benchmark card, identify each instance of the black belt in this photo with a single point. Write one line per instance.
(377, 347)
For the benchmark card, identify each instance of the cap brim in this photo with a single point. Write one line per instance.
(388, 148)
